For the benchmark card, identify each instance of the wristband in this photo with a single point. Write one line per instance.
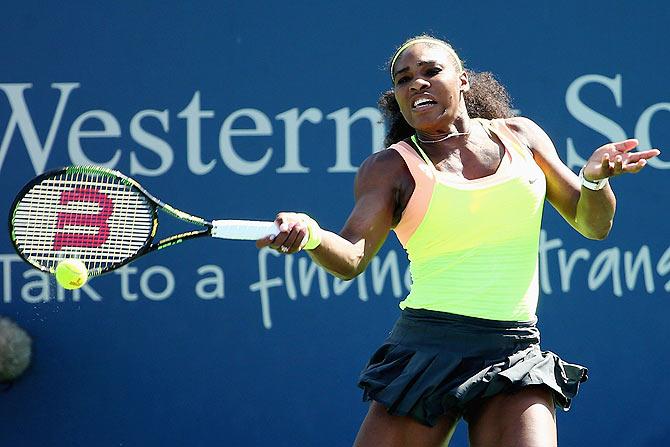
(313, 233)
(593, 186)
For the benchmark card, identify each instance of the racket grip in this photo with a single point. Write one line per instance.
(247, 230)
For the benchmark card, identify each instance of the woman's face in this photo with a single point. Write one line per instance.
(428, 87)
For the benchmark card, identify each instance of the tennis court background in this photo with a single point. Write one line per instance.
(215, 343)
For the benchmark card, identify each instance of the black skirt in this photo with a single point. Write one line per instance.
(434, 363)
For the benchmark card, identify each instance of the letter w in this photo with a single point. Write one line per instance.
(98, 220)
(39, 154)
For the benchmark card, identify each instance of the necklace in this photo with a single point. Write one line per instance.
(455, 134)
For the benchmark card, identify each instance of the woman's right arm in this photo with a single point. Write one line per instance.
(346, 255)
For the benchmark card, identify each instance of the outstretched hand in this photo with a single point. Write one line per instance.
(615, 158)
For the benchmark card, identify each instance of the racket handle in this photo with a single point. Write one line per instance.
(248, 230)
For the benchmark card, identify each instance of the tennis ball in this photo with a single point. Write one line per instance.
(71, 273)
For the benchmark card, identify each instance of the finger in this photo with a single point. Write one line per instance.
(624, 146)
(618, 165)
(651, 153)
(290, 233)
(264, 242)
(279, 240)
(290, 246)
(283, 222)
(287, 222)
(284, 226)
(605, 164)
(634, 168)
(634, 157)
(299, 236)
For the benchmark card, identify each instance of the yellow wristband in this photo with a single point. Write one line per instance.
(314, 233)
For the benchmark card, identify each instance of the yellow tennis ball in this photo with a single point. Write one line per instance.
(71, 273)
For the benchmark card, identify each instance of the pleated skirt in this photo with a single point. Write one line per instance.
(434, 363)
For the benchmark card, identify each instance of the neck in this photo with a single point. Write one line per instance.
(459, 129)
(443, 138)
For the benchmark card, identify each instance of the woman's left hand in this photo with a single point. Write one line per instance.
(615, 158)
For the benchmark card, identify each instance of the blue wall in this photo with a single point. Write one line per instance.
(214, 342)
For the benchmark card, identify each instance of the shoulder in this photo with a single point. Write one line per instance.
(531, 135)
(384, 172)
(385, 162)
(526, 129)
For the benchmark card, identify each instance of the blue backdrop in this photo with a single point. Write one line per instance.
(241, 110)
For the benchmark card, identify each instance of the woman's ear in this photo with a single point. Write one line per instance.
(465, 81)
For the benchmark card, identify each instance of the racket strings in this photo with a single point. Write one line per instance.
(99, 219)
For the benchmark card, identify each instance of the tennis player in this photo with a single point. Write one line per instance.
(463, 185)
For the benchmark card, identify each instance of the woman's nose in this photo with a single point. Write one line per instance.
(419, 84)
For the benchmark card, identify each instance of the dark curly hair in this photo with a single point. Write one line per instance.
(487, 99)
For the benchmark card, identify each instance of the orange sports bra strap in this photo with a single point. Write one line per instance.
(423, 154)
(424, 183)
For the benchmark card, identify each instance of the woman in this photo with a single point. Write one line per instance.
(462, 185)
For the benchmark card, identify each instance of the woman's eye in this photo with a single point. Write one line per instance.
(433, 71)
(402, 80)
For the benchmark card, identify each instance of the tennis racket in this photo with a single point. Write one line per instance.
(103, 218)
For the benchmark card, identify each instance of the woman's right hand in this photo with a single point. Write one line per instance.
(293, 234)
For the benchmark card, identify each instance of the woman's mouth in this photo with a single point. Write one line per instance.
(423, 103)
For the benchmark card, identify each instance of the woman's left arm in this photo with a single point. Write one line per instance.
(589, 211)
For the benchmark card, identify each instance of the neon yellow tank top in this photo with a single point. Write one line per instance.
(473, 244)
